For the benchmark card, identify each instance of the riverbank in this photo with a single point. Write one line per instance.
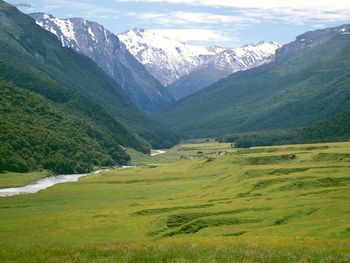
(43, 180)
(11, 179)
(41, 184)
(157, 152)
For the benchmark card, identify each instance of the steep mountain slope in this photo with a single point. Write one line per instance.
(30, 79)
(166, 59)
(66, 77)
(38, 134)
(299, 88)
(103, 47)
(222, 65)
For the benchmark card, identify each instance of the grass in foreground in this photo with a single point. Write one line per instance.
(198, 202)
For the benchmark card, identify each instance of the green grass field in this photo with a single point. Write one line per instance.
(199, 202)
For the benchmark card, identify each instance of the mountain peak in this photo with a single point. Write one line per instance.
(222, 64)
(165, 58)
(41, 15)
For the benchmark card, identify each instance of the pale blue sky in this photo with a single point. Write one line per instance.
(228, 23)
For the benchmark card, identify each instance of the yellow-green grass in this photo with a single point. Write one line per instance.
(10, 179)
(197, 202)
(182, 152)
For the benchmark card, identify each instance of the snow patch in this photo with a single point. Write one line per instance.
(46, 17)
(91, 33)
(66, 27)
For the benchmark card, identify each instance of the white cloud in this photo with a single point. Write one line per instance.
(261, 4)
(240, 18)
(292, 12)
(186, 35)
(181, 17)
(91, 10)
(199, 26)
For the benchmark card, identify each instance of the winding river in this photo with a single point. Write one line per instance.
(48, 182)
(40, 184)
(157, 152)
(52, 180)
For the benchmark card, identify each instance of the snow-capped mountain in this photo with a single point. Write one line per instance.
(236, 59)
(223, 64)
(166, 59)
(102, 46)
(141, 61)
(185, 68)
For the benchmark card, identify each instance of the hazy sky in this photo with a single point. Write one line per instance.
(205, 22)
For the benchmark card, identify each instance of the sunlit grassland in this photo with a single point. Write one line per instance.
(200, 202)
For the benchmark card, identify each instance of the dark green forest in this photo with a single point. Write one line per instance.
(37, 134)
(333, 129)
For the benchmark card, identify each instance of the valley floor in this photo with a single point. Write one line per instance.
(200, 202)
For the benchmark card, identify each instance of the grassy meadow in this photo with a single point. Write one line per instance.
(199, 202)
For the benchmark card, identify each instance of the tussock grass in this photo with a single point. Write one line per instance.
(263, 160)
(181, 219)
(273, 208)
(168, 209)
(329, 157)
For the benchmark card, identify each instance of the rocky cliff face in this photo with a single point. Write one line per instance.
(102, 46)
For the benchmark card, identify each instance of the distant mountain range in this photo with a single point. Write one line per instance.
(103, 47)
(222, 65)
(143, 62)
(185, 68)
(166, 59)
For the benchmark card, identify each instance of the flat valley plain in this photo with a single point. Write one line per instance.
(199, 202)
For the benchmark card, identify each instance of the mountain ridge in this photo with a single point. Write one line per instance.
(166, 59)
(103, 47)
(223, 64)
(185, 69)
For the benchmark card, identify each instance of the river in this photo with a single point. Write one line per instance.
(41, 184)
(157, 152)
(48, 182)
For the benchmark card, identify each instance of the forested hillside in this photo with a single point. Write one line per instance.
(336, 128)
(300, 88)
(37, 134)
(27, 45)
